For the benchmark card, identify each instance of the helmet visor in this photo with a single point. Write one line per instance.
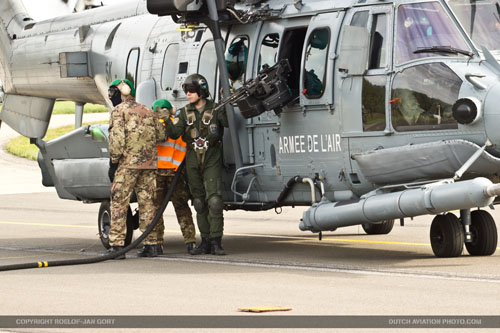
(189, 88)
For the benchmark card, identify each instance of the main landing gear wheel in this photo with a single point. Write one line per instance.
(104, 224)
(447, 236)
(381, 228)
(484, 234)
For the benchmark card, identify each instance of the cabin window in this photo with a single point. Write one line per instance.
(199, 34)
(373, 103)
(360, 19)
(132, 65)
(169, 69)
(417, 105)
(315, 63)
(293, 40)
(268, 51)
(207, 64)
(111, 37)
(236, 61)
(183, 67)
(378, 47)
(424, 30)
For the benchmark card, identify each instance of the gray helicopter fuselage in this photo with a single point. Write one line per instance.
(364, 106)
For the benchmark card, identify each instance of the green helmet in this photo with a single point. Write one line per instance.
(118, 81)
(162, 104)
(199, 83)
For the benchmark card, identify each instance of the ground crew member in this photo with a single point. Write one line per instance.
(202, 129)
(132, 150)
(171, 153)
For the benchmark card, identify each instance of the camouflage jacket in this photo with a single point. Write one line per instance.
(214, 131)
(132, 135)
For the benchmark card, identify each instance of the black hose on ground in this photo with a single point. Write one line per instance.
(159, 213)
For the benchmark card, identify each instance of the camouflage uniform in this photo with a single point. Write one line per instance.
(179, 199)
(132, 144)
(205, 172)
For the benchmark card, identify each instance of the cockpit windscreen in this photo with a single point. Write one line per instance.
(424, 30)
(480, 19)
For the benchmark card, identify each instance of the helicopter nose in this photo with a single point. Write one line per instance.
(492, 115)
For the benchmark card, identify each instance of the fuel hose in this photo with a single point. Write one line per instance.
(159, 213)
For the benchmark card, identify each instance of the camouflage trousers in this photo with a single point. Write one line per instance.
(126, 180)
(179, 199)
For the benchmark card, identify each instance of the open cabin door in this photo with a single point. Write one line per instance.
(364, 73)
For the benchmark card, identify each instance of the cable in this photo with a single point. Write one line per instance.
(159, 213)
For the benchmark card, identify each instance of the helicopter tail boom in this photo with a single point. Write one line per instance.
(13, 18)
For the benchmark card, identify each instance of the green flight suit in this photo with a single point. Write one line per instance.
(204, 170)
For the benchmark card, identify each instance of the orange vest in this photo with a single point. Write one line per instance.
(171, 153)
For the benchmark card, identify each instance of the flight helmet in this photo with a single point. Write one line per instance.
(199, 83)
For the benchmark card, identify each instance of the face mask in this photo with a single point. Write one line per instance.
(114, 95)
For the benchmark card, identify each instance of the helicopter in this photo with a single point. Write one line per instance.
(361, 111)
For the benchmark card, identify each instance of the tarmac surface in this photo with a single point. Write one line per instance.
(270, 262)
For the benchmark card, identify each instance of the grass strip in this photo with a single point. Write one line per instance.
(20, 146)
(68, 107)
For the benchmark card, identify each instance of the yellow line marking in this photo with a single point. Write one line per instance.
(373, 242)
(49, 225)
(23, 257)
(243, 235)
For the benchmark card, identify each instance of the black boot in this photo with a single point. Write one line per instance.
(115, 249)
(217, 246)
(148, 251)
(203, 248)
(159, 249)
(190, 246)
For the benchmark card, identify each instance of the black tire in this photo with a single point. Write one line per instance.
(104, 224)
(447, 236)
(382, 228)
(484, 234)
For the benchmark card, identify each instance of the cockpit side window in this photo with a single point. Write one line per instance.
(378, 57)
(236, 60)
(415, 103)
(373, 103)
(360, 19)
(315, 63)
(424, 30)
(132, 65)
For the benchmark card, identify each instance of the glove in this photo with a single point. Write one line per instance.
(112, 170)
